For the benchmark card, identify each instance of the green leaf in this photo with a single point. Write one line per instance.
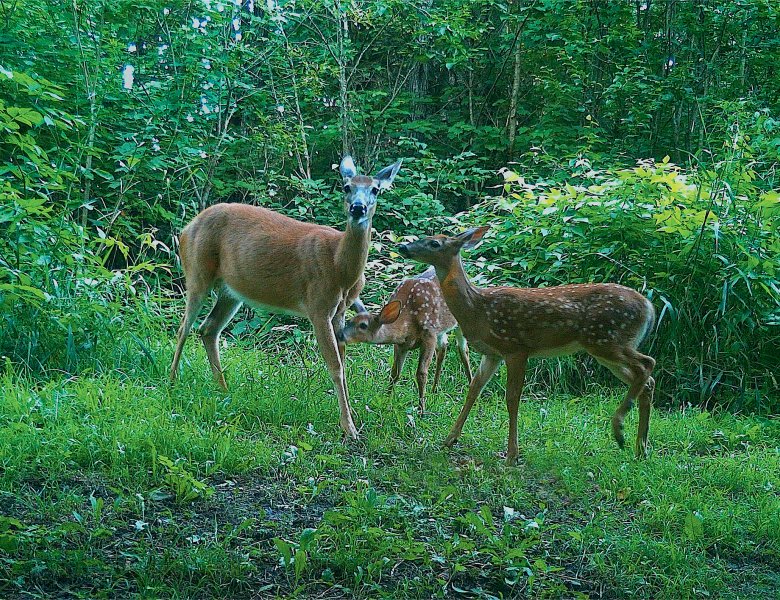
(8, 543)
(694, 526)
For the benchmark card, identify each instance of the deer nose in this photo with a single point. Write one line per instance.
(403, 250)
(358, 209)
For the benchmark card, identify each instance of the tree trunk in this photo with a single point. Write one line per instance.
(742, 59)
(342, 35)
(90, 92)
(513, 102)
(418, 81)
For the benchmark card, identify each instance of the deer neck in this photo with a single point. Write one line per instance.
(386, 334)
(352, 251)
(462, 297)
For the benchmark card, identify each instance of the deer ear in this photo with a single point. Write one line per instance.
(386, 175)
(347, 167)
(359, 307)
(469, 239)
(390, 312)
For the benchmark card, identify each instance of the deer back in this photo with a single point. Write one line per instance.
(419, 310)
(424, 307)
(558, 320)
(266, 258)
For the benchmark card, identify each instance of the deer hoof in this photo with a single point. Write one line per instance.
(617, 432)
(450, 441)
(640, 450)
(350, 433)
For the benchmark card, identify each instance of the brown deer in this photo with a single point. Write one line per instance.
(259, 257)
(607, 321)
(415, 316)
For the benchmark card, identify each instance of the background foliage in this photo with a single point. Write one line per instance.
(633, 141)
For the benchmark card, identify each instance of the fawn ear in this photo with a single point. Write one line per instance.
(347, 167)
(359, 307)
(390, 312)
(386, 175)
(469, 239)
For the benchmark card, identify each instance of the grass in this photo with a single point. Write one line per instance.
(116, 484)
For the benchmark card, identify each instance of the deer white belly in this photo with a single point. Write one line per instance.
(297, 311)
(564, 350)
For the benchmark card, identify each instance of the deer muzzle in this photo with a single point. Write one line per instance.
(358, 210)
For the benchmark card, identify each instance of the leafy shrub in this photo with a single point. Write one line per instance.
(57, 297)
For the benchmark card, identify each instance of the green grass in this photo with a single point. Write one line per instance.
(117, 484)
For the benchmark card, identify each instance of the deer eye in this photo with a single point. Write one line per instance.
(435, 244)
(347, 188)
(363, 326)
(375, 191)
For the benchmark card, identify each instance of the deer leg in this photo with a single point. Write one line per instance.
(633, 369)
(626, 376)
(645, 402)
(427, 349)
(441, 352)
(486, 370)
(399, 357)
(326, 340)
(515, 376)
(211, 328)
(338, 325)
(463, 352)
(195, 299)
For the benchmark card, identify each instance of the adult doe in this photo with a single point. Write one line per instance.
(415, 316)
(509, 324)
(259, 257)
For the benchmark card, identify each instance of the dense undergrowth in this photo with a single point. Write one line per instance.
(120, 120)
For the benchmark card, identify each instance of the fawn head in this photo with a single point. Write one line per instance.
(441, 250)
(361, 191)
(364, 326)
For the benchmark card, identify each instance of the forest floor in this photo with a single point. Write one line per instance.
(118, 484)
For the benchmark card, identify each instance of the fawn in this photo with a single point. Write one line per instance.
(259, 257)
(415, 316)
(607, 321)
